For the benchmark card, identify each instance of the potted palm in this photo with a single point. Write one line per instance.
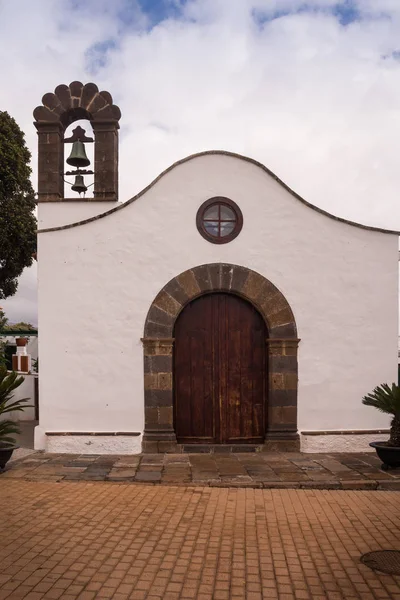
(387, 400)
(8, 383)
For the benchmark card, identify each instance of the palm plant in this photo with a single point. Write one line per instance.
(387, 400)
(8, 383)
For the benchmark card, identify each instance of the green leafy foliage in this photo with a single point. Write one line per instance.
(3, 360)
(8, 383)
(3, 324)
(8, 429)
(21, 326)
(17, 203)
(3, 319)
(387, 400)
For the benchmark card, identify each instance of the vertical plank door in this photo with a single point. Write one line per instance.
(219, 372)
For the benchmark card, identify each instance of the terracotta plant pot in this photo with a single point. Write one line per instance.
(21, 342)
(389, 455)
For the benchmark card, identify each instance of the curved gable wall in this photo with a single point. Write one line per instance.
(97, 282)
(94, 210)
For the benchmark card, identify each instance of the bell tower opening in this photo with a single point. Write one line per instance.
(79, 158)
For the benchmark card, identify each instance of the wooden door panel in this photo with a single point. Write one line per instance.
(194, 376)
(200, 386)
(233, 392)
(220, 371)
(246, 372)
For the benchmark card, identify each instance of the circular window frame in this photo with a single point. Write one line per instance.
(200, 220)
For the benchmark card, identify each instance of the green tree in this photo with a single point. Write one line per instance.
(3, 325)
(17, 203)
(21, 326)
(3, 319)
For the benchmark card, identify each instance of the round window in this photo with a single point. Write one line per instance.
(219, 220)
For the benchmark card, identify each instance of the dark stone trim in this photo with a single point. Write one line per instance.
(157, 398)
(286, 330)
(293, 341)
(164, 435)
(219, 448)
(232, 155)
(82, 200)
(282, 364)
(161, 441)
(215, 277)
(94, 433)
(282, 441)
(165, 340)
(280, 398)
(155, 429)
(154, 363)
(348, 432)
(157, 328)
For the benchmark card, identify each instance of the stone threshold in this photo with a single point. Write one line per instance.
(278, 485)
(357, 485)
(218, 448)
(278, 444)
(258, 470)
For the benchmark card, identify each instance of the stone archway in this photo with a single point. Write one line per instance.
(158, 343)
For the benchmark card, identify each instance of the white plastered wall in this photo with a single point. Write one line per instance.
(97, 281)
(57, 214)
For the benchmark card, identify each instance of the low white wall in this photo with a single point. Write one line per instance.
(110, 444)
(92, 444)
(341, 442)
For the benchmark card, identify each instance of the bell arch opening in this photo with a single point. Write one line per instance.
(281, 343)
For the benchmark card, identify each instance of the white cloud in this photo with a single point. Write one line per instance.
(315, 101)
(23, 306)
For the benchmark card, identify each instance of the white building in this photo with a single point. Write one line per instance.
(215, 307)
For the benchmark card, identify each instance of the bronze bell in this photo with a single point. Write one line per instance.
(79, 185)
(78, 157)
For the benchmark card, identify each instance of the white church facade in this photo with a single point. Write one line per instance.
(215, 310)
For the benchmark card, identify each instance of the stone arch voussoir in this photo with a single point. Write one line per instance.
(158, 344)
(76, 101)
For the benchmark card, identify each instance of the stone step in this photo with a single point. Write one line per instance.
(219, 448)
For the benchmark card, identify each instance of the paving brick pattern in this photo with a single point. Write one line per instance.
(253, 469)
(89, 540)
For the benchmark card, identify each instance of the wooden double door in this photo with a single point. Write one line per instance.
(220, 372)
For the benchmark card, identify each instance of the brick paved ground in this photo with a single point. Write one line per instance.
(268, 470)
(88, 540)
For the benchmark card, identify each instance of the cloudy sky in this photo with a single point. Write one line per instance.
(310, 89)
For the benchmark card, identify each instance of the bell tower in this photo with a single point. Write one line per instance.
(70, 103)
